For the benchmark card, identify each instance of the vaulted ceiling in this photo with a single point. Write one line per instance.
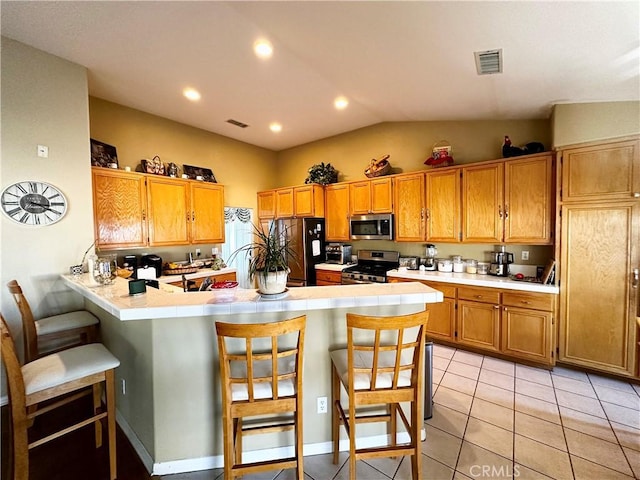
(392, 60)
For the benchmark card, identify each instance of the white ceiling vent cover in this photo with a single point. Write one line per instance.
(488, 62)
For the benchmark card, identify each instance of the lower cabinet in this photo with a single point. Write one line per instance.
(328, 277)
(511, 323)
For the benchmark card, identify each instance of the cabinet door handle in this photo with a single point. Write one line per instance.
(478, 296)
(636, 194)
(193, 216)
(636, 274)
(526, 302)
(144, 215)
(506, 211)
(500, 211)
(428, 213)
(497, 307)
(422, 213)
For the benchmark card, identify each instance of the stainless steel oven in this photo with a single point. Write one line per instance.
(372, 267)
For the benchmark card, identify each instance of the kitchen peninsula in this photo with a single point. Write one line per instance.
(168, 398)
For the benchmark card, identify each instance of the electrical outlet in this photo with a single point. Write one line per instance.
(43, 151)
(124, 387)
(525, 255)
(322, 404)
(197, 252)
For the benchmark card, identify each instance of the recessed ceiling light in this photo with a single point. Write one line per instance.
(341, 103)
(192, 94)
(263, 48)
(275, 127)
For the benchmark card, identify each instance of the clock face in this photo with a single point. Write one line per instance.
(33, 203)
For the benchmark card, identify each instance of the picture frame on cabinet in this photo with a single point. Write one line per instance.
(103, 155)
(199, 173)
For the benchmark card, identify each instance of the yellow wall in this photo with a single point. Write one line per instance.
(587, 122)
(242, 168)
(409, 144)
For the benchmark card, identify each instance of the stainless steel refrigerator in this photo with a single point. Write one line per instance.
(307, 241)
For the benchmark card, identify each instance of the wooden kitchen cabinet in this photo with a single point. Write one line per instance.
(527, 325)
(482, 203)
(267, 204)
(442, 316)
(169, 211)
(601, 172)
(509, 201)
(598, 299)
(308, 201)
(443, 205)
(529, 200)
(371, 196)
(207, 213)
(120, 209)
(337, 212)
(479, 317)
(409, 201)
(328, 277)
(599, 209)
(284, 202)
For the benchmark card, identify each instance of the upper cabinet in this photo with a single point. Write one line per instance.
(482, 203)
(509, 201)
(207, 213)
(337, 212)
(601, 172)
(138, 210)
(529, 200)
(169, 212)
(371, 196)
(443, 205)
(120, 209)
(308, 201)
(409, 201)
(267, 204)
(302, 201)
(284, 203)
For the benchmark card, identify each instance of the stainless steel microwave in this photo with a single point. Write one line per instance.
(372, 227)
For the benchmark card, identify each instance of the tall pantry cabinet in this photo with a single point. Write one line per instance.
(599, 208)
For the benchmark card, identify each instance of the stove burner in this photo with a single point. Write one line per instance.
(372, 267)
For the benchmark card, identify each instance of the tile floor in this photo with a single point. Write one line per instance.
(497, 419)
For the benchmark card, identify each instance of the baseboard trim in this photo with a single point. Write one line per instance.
(217, 461)
(137, 445)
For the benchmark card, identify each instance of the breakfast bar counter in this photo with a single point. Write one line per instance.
(168, 392)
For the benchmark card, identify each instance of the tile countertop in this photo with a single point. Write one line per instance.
(202, 272)
(160, 303)
(474, 280)
(333, 266)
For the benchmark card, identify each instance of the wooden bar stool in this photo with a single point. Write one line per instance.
(54, 378)
(261, 375)
(382, 365)
(55, 333)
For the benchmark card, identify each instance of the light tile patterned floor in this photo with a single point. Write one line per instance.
(497, 419)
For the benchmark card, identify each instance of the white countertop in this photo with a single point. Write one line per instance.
(333, 266)
(474, 280)
(202, 272)
(160, 303)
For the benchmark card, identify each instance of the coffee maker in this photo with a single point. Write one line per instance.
(430, 263)
(500, 262)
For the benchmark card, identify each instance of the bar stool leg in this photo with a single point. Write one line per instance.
(97, 400)
(299, 442)
(110, 395)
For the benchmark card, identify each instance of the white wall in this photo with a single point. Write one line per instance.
(44, 101)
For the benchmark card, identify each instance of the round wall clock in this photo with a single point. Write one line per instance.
(33, 203)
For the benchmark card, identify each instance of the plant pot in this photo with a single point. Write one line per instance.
(273, 282)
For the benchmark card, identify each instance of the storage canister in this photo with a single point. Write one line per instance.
(471, 265)
(483, 268)
(458, 264)
(445, 265)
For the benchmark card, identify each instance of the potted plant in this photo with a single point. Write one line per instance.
(322, 173)
(269, 256)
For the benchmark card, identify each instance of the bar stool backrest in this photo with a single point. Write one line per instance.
(261, 361)
(28, 322)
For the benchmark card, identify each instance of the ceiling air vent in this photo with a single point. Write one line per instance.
(237, 123)
(489, 61)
